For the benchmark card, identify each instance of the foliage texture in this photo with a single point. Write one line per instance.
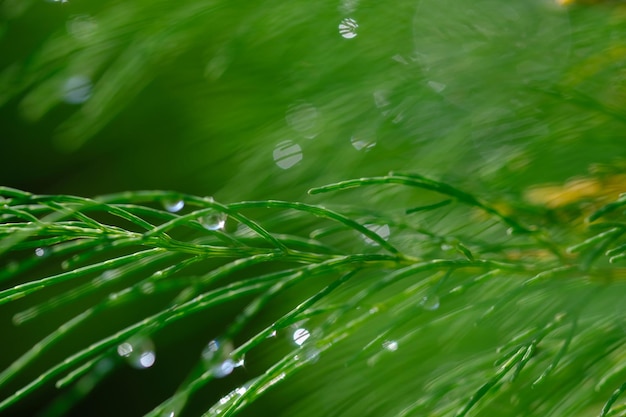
(393, 305)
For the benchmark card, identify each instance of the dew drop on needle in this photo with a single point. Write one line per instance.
(138, 352)
(348, 27)
(173, 205)
(213, 220)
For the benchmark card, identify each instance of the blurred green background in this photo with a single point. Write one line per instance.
(258, 100)
(200, 96)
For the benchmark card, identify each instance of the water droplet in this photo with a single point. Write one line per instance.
(399, 58)
(381, 230)
(138, 352)
(82, 26)
(106, 276)
(77, 89)
(147, 287)
(446, 247)
(362, 143)
(348, 27)
(65, 265)
(40, 252)
(348, 6)
(214, 220)
(380, 98)
(437, 87)
(173, 205)
(390, 345)
(272, 334)
(303, 118)
(216, 356)
(430, 302)
(287, 154)
(224, 369)
(216, 349)
(300, 336)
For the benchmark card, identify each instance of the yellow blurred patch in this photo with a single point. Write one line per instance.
(529, 254)
(567, 2)
(577, 190)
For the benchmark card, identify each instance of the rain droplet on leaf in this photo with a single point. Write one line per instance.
(138, 352)
(348, 27)
(173, 205)
(430, 302)
(216, 357)
(77, 89)
(287, 154)
(213, 220)
(390, 345)
(300, 336)
(381, 230)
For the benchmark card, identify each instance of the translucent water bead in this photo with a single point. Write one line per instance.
(390, 345)
(348, 28)
(430, 302)
(173, 205)
(138, 352)
(216, 356)
(381, 230)
(77, 89)
(300, 336)
(287, 154)
(213, 220)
